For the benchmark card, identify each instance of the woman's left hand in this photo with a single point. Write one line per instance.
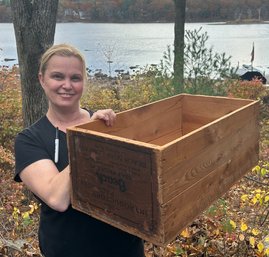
(107, 115)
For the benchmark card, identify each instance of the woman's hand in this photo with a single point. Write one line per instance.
(107, 115)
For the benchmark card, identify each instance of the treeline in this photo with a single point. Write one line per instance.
(153, 10)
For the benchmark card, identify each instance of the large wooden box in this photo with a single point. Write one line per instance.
(162, 164)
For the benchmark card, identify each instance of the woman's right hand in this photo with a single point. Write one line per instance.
(107, 115)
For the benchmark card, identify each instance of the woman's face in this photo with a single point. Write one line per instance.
(63, 81)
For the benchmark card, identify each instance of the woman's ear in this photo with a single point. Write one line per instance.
(41, 79)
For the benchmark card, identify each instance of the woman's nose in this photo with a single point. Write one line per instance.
(67, 84)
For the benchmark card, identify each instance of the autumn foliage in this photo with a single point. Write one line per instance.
(247, 89)
(235, 225)
(153, 10)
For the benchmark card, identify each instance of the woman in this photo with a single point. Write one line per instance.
(64, 231)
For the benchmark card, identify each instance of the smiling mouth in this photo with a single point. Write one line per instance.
(66, 94)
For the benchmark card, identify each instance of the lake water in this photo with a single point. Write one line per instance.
(119, 46)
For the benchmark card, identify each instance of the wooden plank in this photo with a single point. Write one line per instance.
(144, 176)
(144, 124)
(133, 116)
(192, 144)
(186, 173)
(184, 208)
(204, 109)
(165, 139)
(115, 182)
(195, 159)
(213, 104)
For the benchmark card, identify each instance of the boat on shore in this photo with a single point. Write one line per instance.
(250, 72)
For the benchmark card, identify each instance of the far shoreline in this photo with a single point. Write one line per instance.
(246, 22)
(231, 22)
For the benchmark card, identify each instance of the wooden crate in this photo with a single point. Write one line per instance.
(162, 164)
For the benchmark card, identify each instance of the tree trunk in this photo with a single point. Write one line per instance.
(179, 30)
(259, 13)
(34, 25)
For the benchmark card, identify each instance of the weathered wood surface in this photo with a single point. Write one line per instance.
(208, 146)
(162, 164)
(115, 179)
(194, 184)
(143, 124)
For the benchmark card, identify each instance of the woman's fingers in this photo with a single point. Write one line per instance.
(107, 115)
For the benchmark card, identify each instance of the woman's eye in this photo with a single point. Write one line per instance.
(76, 78)
(57, 76)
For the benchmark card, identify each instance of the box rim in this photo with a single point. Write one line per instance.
(155, 146)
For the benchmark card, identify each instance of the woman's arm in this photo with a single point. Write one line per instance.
(46, 182)
(51, 186)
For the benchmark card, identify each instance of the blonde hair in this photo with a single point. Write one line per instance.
(64, 50)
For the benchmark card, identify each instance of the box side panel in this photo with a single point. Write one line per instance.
(116, 182)
(194, 184)
(183, 209)
(196, 155)
(165, 139)
(156, 123)
(201, 110)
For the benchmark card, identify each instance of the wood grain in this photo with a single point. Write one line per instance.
(162, 164)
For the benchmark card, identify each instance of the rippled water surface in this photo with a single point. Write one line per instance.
(119, 46)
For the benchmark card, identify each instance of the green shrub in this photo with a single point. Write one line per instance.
(206, 72)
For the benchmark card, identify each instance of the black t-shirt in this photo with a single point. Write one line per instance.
(70, 233)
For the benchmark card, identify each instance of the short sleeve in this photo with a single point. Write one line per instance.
(28, 149)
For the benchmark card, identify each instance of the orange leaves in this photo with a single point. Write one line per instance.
(230, 227)
(247, 89)
(9, 77)
(6, 158)
(17, 220)
(10, 106)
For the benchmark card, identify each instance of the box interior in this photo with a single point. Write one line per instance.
(161, 122)
(189, 150)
